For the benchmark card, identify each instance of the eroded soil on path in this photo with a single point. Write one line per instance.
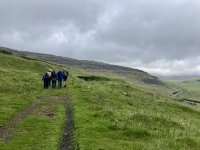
(67, 142)
(6, 129)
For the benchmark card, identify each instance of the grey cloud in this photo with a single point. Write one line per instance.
(19, 13)
(149, 34)
(156, 28)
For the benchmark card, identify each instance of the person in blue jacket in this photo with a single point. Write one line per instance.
(60, 77)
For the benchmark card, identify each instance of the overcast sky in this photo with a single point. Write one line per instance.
(160, 37)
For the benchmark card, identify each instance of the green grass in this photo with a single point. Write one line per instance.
(38, 131)
(107, 118)
(110, 112)
(21, 84)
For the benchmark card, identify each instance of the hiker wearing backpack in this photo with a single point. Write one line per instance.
(60, 77)
(65, 76)
(49, 74)
(45, 78)
(54, 79)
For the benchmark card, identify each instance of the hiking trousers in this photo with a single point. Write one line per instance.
(65, 81)
(46, 83)
(53, 84)
(59, 83)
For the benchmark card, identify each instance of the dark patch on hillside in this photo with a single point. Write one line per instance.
(27, 58)
(93, 78)
(153, 80)
(175, 92)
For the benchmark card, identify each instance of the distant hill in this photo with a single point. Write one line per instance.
(141, 76)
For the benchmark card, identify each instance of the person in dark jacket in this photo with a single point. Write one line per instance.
(65, 76)
(50, 73)
(45, 78)
(60, 77)
(54, 79)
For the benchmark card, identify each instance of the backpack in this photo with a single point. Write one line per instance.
(54, 76)
(49, 74)
(46, 76)
(66, 74)
(60, 75)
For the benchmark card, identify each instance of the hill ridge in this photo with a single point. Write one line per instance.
(87, 64)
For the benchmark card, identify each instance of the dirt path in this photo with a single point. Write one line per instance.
(67, 142)
(6, 129)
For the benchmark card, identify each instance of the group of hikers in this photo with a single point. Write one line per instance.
(51, 77)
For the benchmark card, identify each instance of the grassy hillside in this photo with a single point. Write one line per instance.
(135, 76)
(110, 112)
(114, 115)
(23, 99)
